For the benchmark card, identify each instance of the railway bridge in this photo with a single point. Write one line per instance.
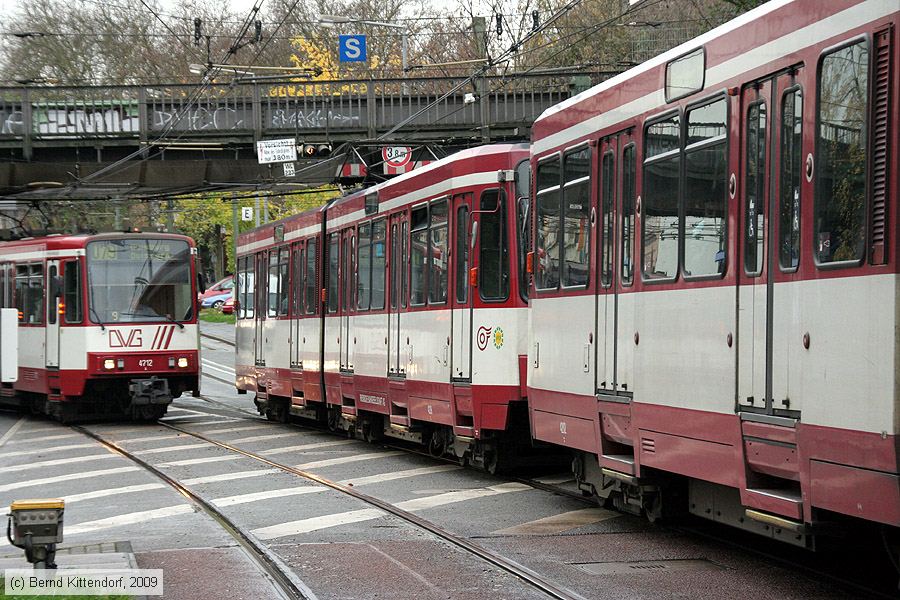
(192, 135)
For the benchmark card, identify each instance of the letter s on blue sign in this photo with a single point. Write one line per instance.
(352, 46)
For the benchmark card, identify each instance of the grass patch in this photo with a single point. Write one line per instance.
(216, 316)
(5, 596)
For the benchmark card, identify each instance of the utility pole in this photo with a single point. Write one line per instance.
(170, 215)
(234, 231)
(479, 30)
(256, 212)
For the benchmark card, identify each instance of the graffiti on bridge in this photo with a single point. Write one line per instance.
(203, 118)
(314, 118)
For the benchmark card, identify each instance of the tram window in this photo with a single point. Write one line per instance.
(523, 223)
(298, 263)
(841, 140)
(30, 293)
(363, 282)
(705, 195)
(576, 207)
(789, 181)
(52, 274)
(755, 187)
(628, 202)
(607, 199)
(395, 265)
(3, 285)
(461, 256)
(685, 75)
(493, 259)
(311, 280)
(284, 280)
(249, 282)
(379, 231)
(419, 262)
(333, 262)
(546, 251)
(72, 291)
(404, 263)
(662, 136)
(437, 255)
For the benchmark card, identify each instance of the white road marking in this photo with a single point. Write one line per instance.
(206, 361)
(232, 429)
(296, 491)
(153, 438)
(187, 410)
(167, 449)
(393, 475)
(260, 438)
(12, 430)
(303, 447)
(367, 514)
(58, 461)
(48, 438)
(43, 450)
(562, 522)
(256, 496)
(129, 519)
(184, 417)
(229, 476)
(128, 489)
(83, 475)
(217, 421)
(46, 428)
(200, 461)
(328, 462)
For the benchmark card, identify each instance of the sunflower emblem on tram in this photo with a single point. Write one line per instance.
(498, 338)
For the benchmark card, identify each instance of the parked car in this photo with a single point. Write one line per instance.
(228, 307)
(217, 289)
(216, 301)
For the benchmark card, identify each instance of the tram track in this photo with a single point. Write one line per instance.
(283, 578)
(507, 565)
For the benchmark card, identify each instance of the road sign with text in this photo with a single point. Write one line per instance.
(276, 151)
(352, 48)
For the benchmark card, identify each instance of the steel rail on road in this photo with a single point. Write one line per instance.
(520, 571)
(278, 572)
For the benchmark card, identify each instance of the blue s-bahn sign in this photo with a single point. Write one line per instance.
(352, 48)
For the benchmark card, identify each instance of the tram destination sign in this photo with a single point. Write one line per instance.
(276, 151)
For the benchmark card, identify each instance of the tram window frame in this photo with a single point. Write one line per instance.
(404, 264)
(629, 194)
(673, 155)
(30, 286)
(540, 193)
(395, 265)
(721, 143)
(334, 257)
(418, 234)
(523, 223)
(52, 285)
(298, 263)
(581, 185)
(758, 165)
(438, 279)
(607, 185)
(500, 250)
(795, 172)
(364, 264)
(698, 87)
(461, 256)
(820, 162)
(379, 264)
(72, 297)
(311, 277)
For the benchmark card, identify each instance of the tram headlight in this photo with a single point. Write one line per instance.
(109, 364)
(183, 362)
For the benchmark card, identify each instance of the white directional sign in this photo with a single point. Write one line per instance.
(246, 213)
(276, 151)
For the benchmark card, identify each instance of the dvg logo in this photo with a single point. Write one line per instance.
(118, 340)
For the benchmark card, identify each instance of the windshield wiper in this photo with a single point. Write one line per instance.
(97, 317)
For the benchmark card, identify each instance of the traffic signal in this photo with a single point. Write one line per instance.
(316, 150)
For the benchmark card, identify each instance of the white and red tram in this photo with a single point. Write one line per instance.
(715, 272)
(398, 310)
(107, 323)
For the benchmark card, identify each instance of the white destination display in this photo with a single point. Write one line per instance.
(276, 151)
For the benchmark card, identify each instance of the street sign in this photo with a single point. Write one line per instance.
(276, 151)
(352, 48)
(396, 156)
(289, 169)
(246, 213)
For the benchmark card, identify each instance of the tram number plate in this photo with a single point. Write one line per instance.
(145, 363)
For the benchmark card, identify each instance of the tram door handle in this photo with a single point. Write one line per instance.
(587, 358)
(537, 354)
(446, 355)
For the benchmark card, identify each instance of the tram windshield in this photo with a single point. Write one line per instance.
(139, 279)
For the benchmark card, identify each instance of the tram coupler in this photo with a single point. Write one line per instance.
(149, 397)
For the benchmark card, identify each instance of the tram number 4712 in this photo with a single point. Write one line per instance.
(145, 363)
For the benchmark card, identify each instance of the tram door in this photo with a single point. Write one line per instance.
(347, 271)
(398, 260)
(461, 298)
(770, 176)
(259, 314)
(54, 290)
(615, 225)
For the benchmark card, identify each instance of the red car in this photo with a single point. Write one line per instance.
(222, 286)
(228, 307)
